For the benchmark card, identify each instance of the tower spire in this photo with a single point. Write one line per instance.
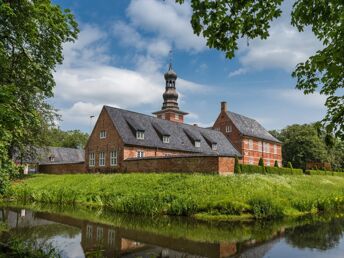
(170, 109)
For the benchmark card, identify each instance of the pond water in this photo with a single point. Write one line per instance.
(81, 232)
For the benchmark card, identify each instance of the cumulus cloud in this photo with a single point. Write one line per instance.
(170, 21)
(237, 72)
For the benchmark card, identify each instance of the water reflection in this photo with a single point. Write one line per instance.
(123, 236)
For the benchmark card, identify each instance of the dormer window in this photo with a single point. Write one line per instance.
(166, 139)
(140, 135)
(197, 144)
(52, 158)
(214, 146)
(102, 134)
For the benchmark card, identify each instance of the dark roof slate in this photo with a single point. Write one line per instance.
(178, 138)
(250, 127)
(60, 155)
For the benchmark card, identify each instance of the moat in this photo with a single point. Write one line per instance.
(81, 232)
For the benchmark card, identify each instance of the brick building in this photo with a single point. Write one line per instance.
(125, 141)
(250, 138)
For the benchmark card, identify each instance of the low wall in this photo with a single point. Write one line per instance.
(181, 164)
(68, 168)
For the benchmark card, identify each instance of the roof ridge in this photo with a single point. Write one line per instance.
(142, 114)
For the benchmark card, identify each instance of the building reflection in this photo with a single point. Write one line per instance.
(103, 240)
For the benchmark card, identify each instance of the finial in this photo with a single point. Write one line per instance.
(170, 59)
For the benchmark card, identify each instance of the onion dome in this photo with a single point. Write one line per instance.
(170, 74)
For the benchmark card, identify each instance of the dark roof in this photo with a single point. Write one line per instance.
(59, 155)
(179, 140)
(250, 127)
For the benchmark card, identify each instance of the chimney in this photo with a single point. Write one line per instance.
(223, 106)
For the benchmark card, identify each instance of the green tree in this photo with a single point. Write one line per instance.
(224, 22)
(237, 168)
(301, 143)
(261, 162)
(55, 137)
(31, 37)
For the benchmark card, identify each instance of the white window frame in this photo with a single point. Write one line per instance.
(214, 146)
(140, 135)
(228, 128)
(113, 158)
(266, 147)
(102, 134)
(260, 146)
(140, 154)
(250, 144)
(197, 144)
(100, 233)
(165, 139)
(268, 163)
(102, 159)
(275, 149)
(92, 159)
(251, 160)
(89, 231)
(176, 116)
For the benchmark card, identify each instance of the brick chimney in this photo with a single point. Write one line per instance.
(223, 106)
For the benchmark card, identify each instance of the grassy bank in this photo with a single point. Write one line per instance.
(202, 196)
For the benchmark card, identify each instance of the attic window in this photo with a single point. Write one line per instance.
(228, 128)
(52, 158)
(166, 139)
(102, 134)
(214, 146)
(197, 144)
(140, 135)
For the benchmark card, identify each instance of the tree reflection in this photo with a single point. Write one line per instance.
(317, 235)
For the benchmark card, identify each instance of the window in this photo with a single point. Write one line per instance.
(111, 237)
(163, 116)
(166, 139)
(176, 116)
(140, 154)
(266, 147)
(250, 161)
(100, 232)
(268, 162)
(214, 146)
(101, 159)
(91, 160)
(113, 158)
(140, 135)
(89, 231)
(52, 158)
(260, 146)
(250, 144)
(275, 149)
(197, 144)
(217, 129)
(102, 134)
(228, 128)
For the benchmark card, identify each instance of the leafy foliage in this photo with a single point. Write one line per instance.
(237, 167)
(224, 22)
(55, 137)
(31, 38)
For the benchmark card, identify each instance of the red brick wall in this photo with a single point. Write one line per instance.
(171, 116)
(241, 143)
(189, 164)
(112, 142)
(62, 168)
(131, 152)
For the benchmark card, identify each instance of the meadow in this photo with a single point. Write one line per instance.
(206, 197)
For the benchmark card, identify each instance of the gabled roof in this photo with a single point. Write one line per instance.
(250, 127)
(60, 155)
(179, 140)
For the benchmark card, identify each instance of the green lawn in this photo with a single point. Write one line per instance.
(202, 196)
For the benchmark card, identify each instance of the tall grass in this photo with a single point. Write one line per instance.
(260, 196)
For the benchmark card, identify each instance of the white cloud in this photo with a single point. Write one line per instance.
(169, 20)
(296, 97)
(237, 72)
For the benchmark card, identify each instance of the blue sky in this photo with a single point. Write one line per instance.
(122, 53)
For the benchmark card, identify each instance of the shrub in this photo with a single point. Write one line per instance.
(323, 173)
(289, 165)
(261, 162)
(252, 169)
(237, 168)
(264, 207)
(276, 164)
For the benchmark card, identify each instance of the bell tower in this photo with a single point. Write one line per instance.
(170, 109)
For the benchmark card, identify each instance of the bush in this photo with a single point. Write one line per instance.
(264, 207)
(276, 164)
(261, 162)
(237, 168)
(252, 169)
(323, 173)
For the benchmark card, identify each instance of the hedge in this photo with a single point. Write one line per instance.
(323, 173)
(253, 169)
